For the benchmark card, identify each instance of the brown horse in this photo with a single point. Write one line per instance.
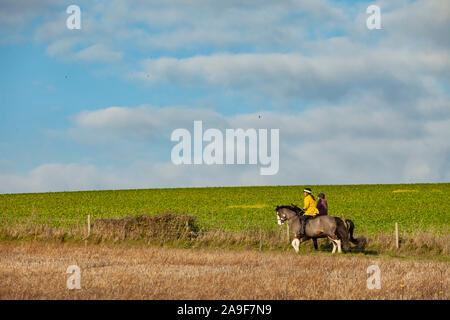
(334, 228)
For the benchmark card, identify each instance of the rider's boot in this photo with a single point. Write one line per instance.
(303, 231)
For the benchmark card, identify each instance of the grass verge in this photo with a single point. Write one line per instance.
(182, 231)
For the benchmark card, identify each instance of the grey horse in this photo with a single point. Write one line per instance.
(334, 228)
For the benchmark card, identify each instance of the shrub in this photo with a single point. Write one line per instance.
(166, 227)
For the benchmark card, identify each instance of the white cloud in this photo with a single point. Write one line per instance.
(15, 15)
(332, 160)
(155, 26)
(98, 53)
(396, 73)
(142, 122)
(74, 177)
(350, 144)
(419, 23)
(62, 47)
(257, 26)
(54, 177)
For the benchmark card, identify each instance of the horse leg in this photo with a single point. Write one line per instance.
(334, 245)
(296, 244)
(339, 246)
(334, 242)
(315, 244)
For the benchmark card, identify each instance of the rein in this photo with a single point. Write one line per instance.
(297, 215)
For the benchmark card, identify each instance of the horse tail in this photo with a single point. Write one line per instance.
(351, 227)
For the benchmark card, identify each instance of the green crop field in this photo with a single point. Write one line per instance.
(373, 208)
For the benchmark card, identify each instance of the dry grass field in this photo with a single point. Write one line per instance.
(37, 270)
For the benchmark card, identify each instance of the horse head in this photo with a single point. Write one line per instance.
(286, 212)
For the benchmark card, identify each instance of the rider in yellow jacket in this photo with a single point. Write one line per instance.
(310, 203)
(309, 208)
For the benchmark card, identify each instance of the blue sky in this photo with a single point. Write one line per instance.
(94, 108)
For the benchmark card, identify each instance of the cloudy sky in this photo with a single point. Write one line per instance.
(94, 108)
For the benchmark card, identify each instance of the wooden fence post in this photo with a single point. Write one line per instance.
(260, 239)
(288, 236)
(396, 235)
(89, 225)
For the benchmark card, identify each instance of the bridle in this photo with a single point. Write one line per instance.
(284, 218)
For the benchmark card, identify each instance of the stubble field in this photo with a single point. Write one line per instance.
(38, 271)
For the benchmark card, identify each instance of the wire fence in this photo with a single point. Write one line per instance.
(185, 230)
(235, 225)
(211, 222)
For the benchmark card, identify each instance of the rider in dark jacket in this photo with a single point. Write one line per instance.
(322, 205)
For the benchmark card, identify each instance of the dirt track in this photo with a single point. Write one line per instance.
(38, 271)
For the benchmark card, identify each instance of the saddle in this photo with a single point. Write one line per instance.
(303, 220)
